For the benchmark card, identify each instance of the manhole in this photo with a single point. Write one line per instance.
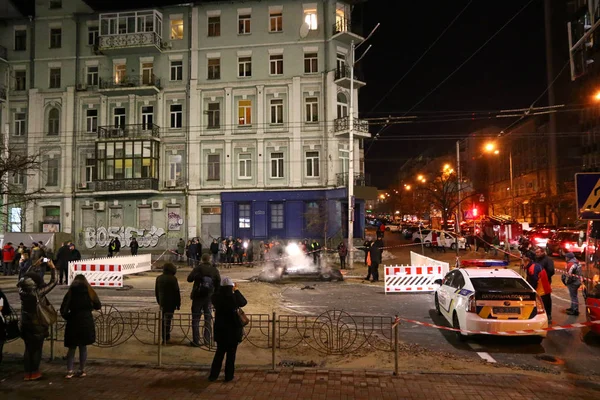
(550, 359)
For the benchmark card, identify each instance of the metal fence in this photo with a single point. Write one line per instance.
(332, 332)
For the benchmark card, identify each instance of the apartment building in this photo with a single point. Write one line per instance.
(198, 120)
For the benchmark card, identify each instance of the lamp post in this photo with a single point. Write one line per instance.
(491, 148)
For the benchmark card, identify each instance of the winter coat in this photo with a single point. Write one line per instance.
(538, 279)
(376, 250)
(134, 246)
(166, 291)
(63, 256)
(6, 311)
(180, 247)
(76, 309)
(75, 255)
(193, 251)
(36, 254)
(200, 271)
(31, 325)
(8, 253)
(572, 277)
(548, 264)
(342, 250)
(228, 329)
(214, 248)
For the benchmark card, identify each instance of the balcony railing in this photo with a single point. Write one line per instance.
(344, 73)
(343, 125)
(3, 53)
(134, 81)
(2, 92)
(343, 25)
(126, 184)
(359, 179)
(128, 40)
(133, 131)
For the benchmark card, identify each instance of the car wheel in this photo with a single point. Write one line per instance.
(453, 246)
(437, 305)
(456, 325)
(427, 244)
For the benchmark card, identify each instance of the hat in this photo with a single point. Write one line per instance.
(569, 255)
(226, 281)
(530, 255)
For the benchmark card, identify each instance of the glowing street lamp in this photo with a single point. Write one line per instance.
(420, 178)
(407, 187)
(446, 167)
(490, 147)
(597, 96)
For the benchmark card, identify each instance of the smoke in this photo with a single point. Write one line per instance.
(290, 260)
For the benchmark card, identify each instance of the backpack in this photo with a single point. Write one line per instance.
(204, 287)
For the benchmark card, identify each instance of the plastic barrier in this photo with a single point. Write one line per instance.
(417, 259)
(109, 271)
(401, 278)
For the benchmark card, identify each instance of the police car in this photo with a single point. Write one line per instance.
(490, 299)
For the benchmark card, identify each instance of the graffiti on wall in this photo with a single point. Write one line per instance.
(175, 221)
(102, 236)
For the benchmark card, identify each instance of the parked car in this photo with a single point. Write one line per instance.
(392, 227)
(420, 236)
(539, 237)
(447, 240)
(565, 241)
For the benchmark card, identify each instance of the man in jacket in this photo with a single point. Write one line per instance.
(538, 279)
(194, 251)
(63, 256)
(214, 252)
(116, 247)
(315, 248)
(572, 279)
(180, 249)
(206, 279)
(376, 251)
(343, 252)
(8, 255)
(168, 297)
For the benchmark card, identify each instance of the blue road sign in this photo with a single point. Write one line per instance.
(587, 191)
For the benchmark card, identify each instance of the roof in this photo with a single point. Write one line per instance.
(491, 273)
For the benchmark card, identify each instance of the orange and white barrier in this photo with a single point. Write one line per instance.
(404, 278)
(109, 271)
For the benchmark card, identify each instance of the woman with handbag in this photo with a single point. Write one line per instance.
(229, 328)
(37, 314)
(80, 331)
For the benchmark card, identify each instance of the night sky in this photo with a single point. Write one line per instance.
(509, 72)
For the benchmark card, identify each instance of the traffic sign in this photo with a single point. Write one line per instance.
(587, 191)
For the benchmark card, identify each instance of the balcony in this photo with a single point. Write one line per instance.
(341, 128)
(3, 91)
(3, 54)
(132, 131)
(129, 85)
(359, 179)
(342, 32)
(139, 184)
(131, 33)
(343, 77)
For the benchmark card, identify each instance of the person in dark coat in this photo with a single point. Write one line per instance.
(75, 255)
(193, 253)
(376, 251)
(33, 329)
(80, 331)
(168, 297)
(5, 312)
(343, 252)
(214, 252)
(63, 256)
(134, 246)
(203, 274)
(228, 328)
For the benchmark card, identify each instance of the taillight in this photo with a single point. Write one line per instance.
(471, 306)
(539, 305)
(567, 245)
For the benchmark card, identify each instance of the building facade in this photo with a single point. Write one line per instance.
(202, 120)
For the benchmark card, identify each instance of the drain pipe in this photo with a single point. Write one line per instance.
(74, 133)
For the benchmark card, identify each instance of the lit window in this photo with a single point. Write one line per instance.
(245, 112)
(245, 166)
(276, 64)
(120, 73)
(176, 29)
(244, 216)
(310, 18)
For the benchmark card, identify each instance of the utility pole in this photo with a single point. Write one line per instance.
(458, 180)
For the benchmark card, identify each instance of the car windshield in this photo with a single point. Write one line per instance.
(485, 284)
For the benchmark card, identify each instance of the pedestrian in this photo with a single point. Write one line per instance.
(187, 253)
(214, 252)
(36, 253)
(193, 253)
(376, 252)
(116, 247)
(33, 328)
(223, 252)
(180, 249)
(24, 263)
(80, 330)
(111, 247)
(134, 246)
(496, 244)
(546, 262)
(75, 255)
(538, 279)
(441, 242)
(434, 240)
(315, 248)
(63, 256)
(8, 256)
(572, 280)
(229, 331)
(206, 279)
(343, 252)
(168, 297)
(5, 312)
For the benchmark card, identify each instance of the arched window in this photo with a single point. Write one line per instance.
(53, 122)
(342, 105)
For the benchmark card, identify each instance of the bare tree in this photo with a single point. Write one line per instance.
(316, 220)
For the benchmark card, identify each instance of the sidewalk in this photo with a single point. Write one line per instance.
(138, 382)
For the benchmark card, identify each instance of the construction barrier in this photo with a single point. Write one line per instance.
(405, 278)
(417, 259)
(109, 271)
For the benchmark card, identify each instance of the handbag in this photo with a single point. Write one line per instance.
(244, 320)
(12, 329)
(45, 311)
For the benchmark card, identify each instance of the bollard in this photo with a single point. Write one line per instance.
(160, 328)
(396, 346)
(273, 330)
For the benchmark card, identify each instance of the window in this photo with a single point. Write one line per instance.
(312, 109)
(18, 178)
(175, 166)
(344, 155)
(16, 220)
(55, 38)
(20, 123)
(244, 66)
(92, 75)
(214, 68)
(93, 35)
(245, 166)
(245, 112)
(340, 63)
(148, 73)
(119, 117)
(176, 116)
(117, 160)
(342, 106)
(244, 24)
(214, 115)
(20, 80)
(91, 117)
(147, 118)
(120, 72)
(276, 111)
(52, 172)
(214, 167)
(310, 18)
(176, 70)
(55, 4)
(275, 22)
(54, 78)
(276, 64)
(312, 164)
(90, 165)
(244, 215)
(20, 40)
(277, 216)
(276, 165)
(311, 63)
(176, 29)
(214, 26)
(53, 122)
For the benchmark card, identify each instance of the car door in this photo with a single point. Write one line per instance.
(446, 293)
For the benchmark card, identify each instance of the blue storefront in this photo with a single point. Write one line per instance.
(265, 215)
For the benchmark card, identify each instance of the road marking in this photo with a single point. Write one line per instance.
(482, 354)
(560, 298)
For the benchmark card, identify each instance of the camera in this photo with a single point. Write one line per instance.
(45, 259)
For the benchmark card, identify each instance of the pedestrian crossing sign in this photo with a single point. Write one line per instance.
(587, 191)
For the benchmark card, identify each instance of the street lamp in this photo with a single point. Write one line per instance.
(420, 178)
(510, 170)
(597, 96)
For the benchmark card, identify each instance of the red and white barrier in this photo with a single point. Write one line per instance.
(404, 278)
(109, 272)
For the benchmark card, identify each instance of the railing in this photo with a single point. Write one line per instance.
(343, 124)
(125, 40)
(2, 92)
(344, 73)
(343, 25)
(134, 81)
(359, 179)
(3, 53)
(126, 184)
(132, 131)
